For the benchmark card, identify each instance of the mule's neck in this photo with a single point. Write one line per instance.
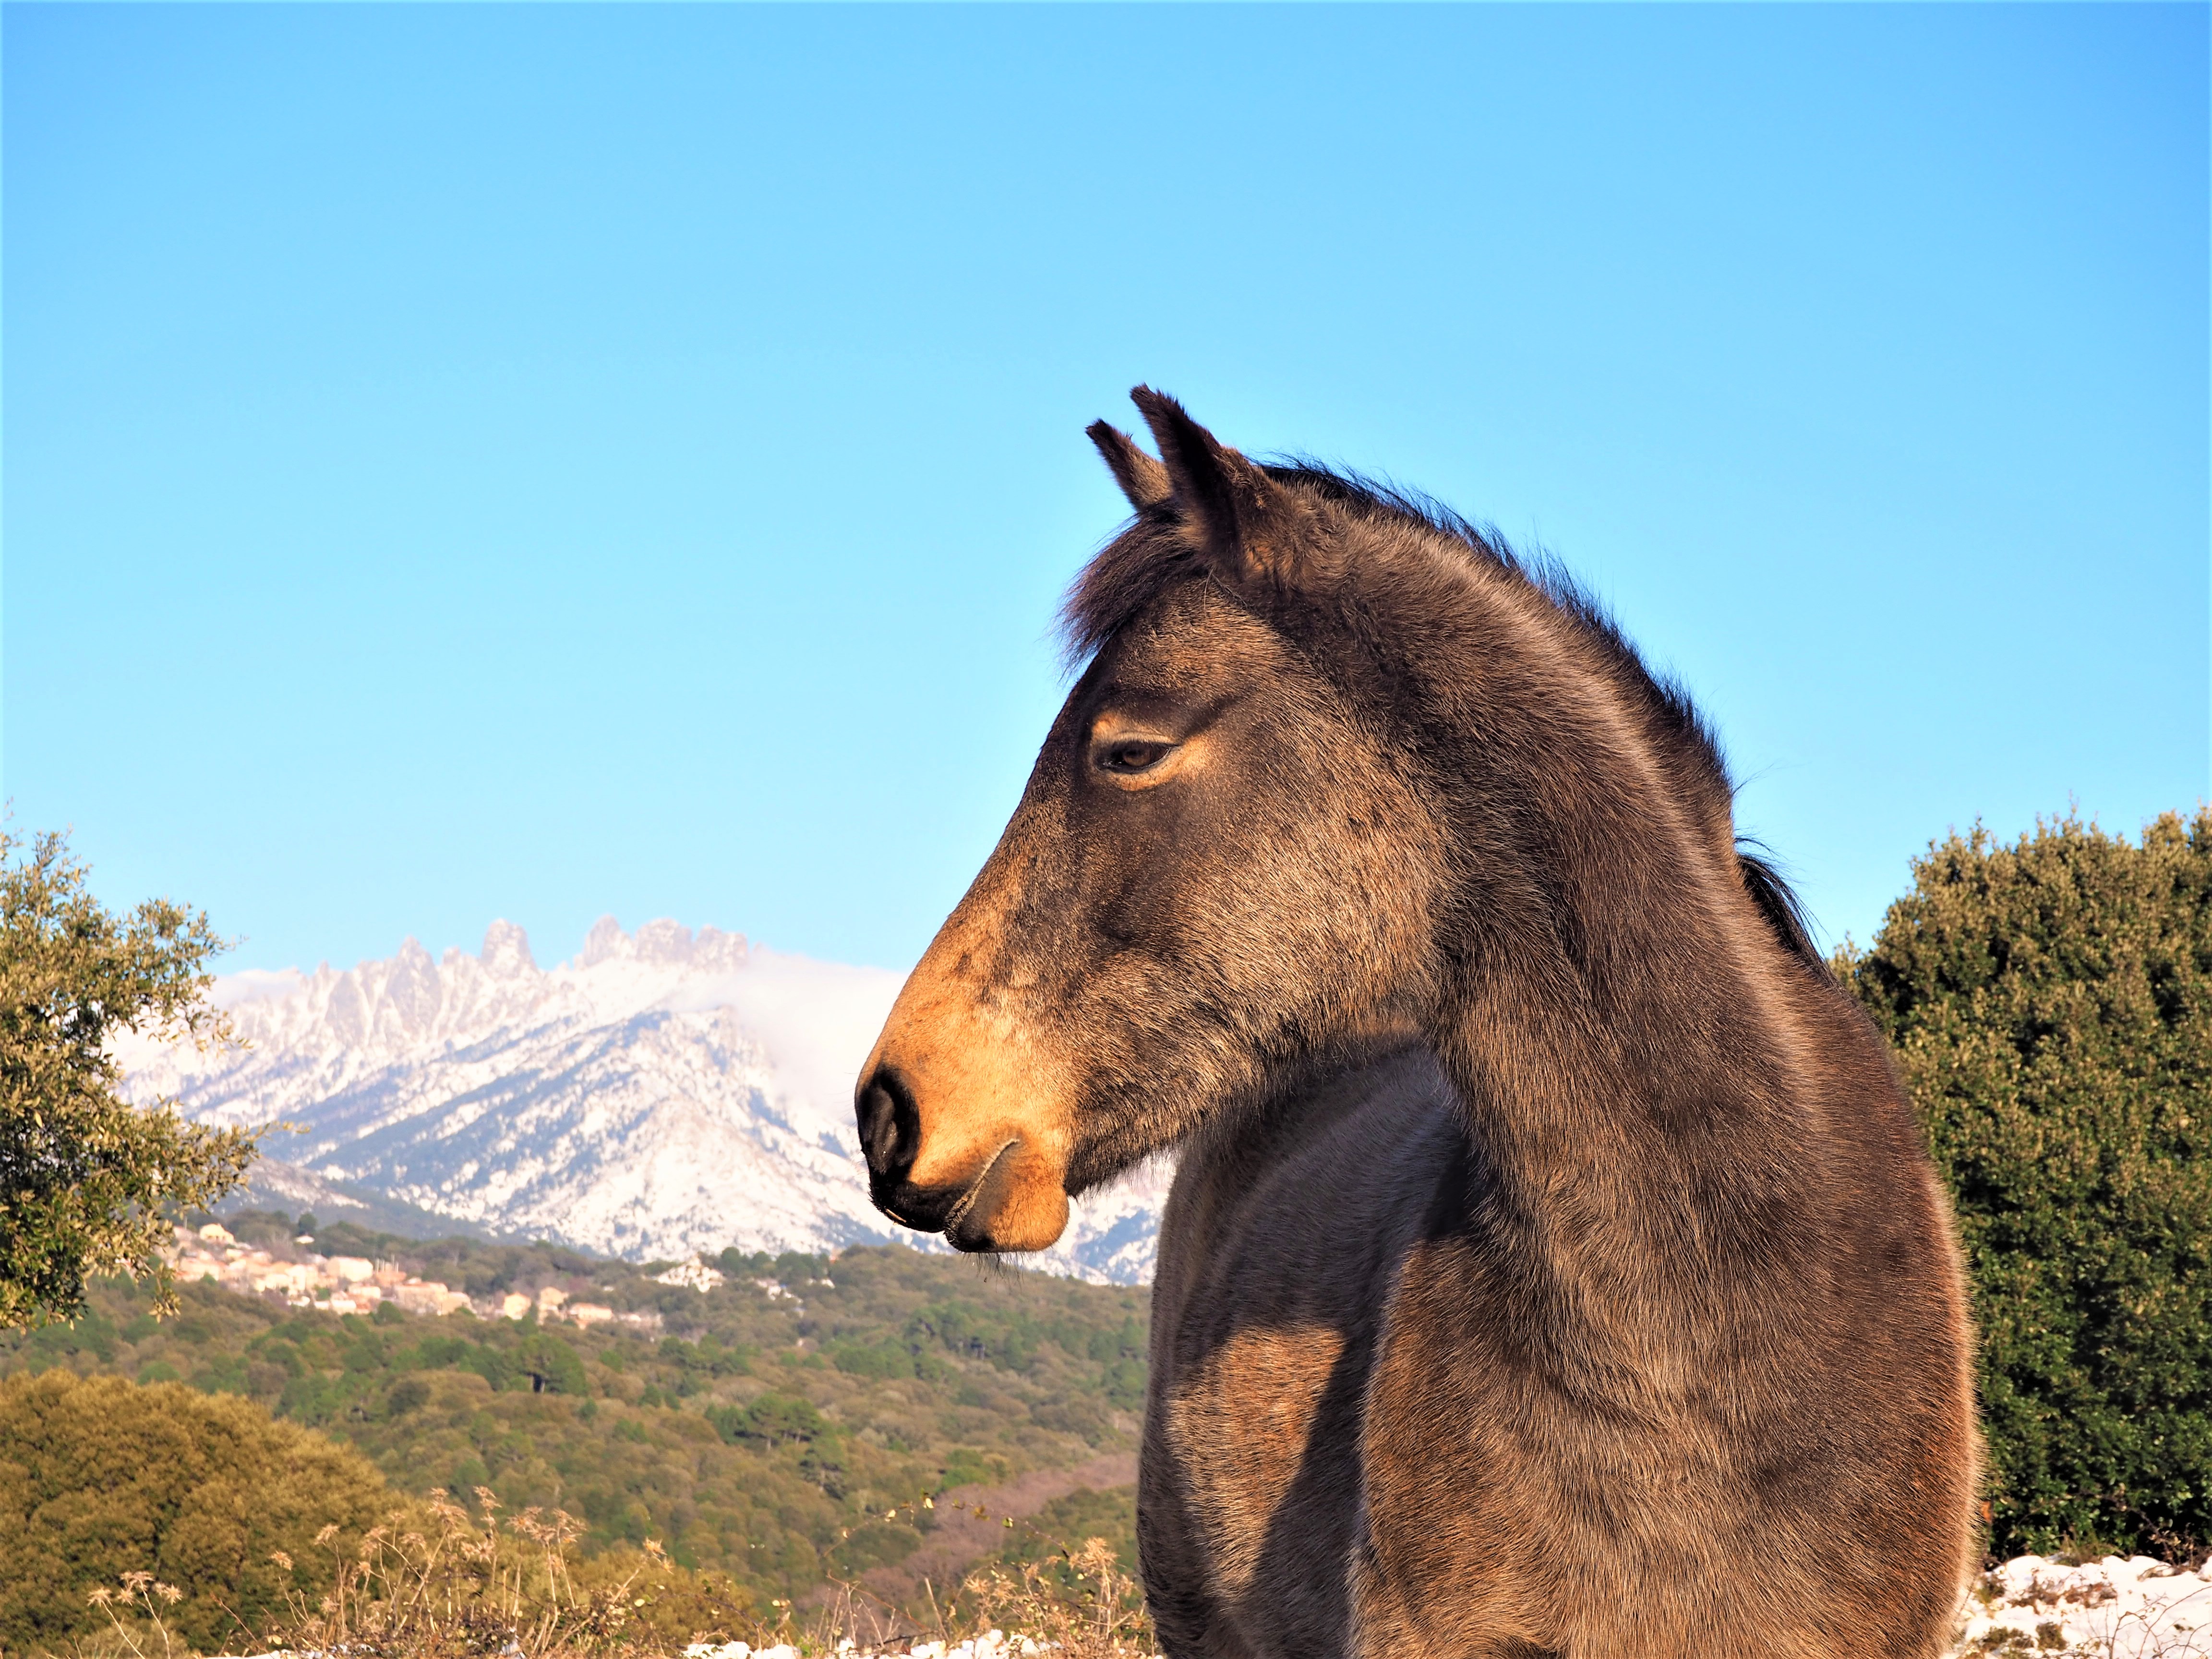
(1621, 1024)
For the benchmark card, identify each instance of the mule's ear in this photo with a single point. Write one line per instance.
(1143, 479)
(1248, 525)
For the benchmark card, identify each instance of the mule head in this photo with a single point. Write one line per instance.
(1217, 869)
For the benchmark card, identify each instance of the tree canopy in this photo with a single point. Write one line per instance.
(2051, 1004)
(99, 1477)
(84, 1175)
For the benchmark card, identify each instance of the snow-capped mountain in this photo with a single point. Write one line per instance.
(665, 1093)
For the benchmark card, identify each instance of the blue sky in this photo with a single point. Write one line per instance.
(537, 462)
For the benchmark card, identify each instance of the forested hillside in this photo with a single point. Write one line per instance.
(784, 1426)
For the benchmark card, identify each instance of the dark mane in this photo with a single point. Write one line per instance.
(1141, 563)
(1777, 901)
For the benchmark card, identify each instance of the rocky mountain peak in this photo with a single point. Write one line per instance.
(506, 954)
(603, 943)
(664, 942)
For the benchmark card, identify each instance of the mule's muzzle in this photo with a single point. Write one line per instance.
(990, 1209)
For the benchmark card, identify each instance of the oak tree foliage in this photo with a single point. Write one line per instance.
(85, 1176)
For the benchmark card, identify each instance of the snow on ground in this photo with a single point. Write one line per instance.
(2136, 1608)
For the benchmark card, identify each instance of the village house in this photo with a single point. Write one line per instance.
(343, 1283)
(352, 1284)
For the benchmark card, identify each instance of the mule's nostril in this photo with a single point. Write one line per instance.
(879, 1125)
(883, 1112)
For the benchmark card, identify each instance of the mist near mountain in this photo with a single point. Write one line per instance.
(666, 1092)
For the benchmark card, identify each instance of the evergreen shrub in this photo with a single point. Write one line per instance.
(2050, 1005)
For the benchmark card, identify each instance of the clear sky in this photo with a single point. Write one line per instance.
(537, 462)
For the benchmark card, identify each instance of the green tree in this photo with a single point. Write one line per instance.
(553, 1366)
(84, 1175)
(2051, 1004)
(99, 1477)
(773, 1418)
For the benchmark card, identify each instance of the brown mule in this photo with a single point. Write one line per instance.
(1554, 1267)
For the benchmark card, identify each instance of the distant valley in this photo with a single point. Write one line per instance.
(664, 1094)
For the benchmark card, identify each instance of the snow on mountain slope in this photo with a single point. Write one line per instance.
(664, 1093)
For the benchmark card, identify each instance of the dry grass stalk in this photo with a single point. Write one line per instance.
(140, 1591)
(1079, 1601)
(1076, 1603)
(452, 1587)
(440, 1582)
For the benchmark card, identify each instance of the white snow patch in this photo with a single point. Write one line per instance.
(2116, 1608)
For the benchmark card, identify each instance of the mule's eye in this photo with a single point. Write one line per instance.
(1133, 755)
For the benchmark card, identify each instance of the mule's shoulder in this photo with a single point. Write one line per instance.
(1275, 1266)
